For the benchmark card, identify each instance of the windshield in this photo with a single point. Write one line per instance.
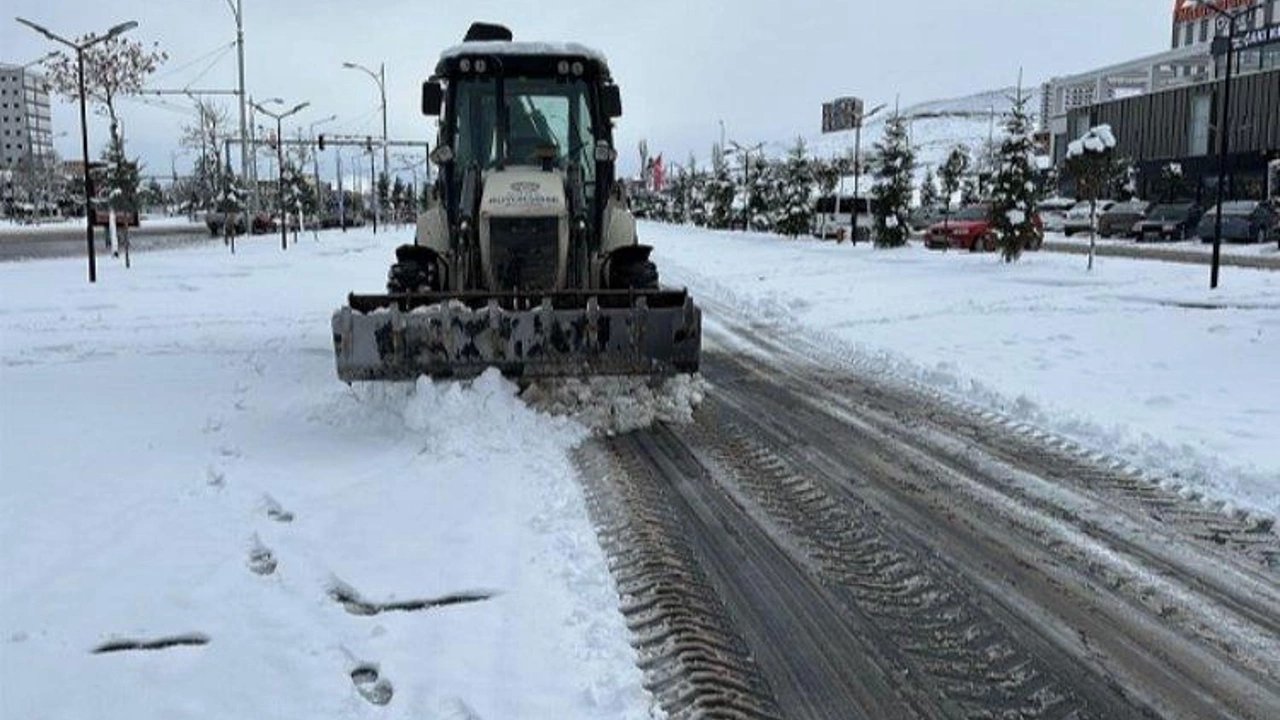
(973, 212)
(1236, 208)
(544, 118)
(1169, 212)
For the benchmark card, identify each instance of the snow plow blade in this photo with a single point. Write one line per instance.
(524, 335)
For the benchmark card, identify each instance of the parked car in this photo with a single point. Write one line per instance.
(922, 217)
(970, 229)
(1242, 221)
(1172, 221)
(264, 223)
(124, 218)
(1081, 217)
(1053, 212)
(1119, 220)
(216, 222)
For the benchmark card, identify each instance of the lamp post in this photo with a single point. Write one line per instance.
(238, 12)
(1224, 122)
(279, 118)
(380, 78)
(857, 171)
(84, 123)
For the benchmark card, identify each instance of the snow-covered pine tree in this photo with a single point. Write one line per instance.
(970, 190)
(796, 192)
(952, 174)
(893, 168)
(719, 195)
(929, 197)
(1013, 185)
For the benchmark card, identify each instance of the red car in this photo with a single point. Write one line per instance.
(970, 229)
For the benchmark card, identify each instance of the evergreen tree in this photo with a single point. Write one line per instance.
(1013, 184)
(970, 190)
(891, 193)
(720, 192)
(929, 198)
(952, 174)
(384, 191)
(797, 184)
(121, 177)
(398, 203)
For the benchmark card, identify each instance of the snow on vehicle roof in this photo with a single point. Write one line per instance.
(502, 47)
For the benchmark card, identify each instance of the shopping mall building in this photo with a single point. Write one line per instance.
(1164, 107)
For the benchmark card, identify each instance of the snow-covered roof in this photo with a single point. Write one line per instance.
(502, 47)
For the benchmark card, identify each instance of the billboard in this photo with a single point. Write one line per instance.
(1191, 10)
(842, 114)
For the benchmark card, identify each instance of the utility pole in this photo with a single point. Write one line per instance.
(1224, 131)
(342, 195)
(238, 12)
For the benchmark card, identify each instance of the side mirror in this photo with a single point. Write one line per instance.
(442, 155)
(611, 101)
(432, 98)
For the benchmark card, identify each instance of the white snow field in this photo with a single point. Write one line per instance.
(1137, 358)
(179, 464)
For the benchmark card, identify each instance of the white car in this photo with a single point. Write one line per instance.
(1082, 219)
(1053, 213)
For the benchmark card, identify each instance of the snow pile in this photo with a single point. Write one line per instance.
(613, 405)
(1098, 140)
(425, 545)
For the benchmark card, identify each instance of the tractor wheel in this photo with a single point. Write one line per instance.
(641, 275)
(415, 272)
(989, 243)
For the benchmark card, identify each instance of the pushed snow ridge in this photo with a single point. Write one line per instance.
(617, 405)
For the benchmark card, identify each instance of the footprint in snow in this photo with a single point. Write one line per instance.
(371, 686)
(275, 511)
(261, 560)
(214, 477)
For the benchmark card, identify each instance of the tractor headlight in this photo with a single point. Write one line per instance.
(464, 65)
(481, 66)
(563, 67)
(577, 68)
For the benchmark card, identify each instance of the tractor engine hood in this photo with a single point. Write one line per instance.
(524, 230)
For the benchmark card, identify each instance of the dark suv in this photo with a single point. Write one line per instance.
(1173, 221)
(1121, 218)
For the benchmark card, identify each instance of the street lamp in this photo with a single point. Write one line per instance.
(38, 61)
(857, 169)
(379, 77)
(1224, 121)
(279, 118)
(84, 124)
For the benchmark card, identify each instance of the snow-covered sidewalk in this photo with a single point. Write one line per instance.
(178, 462)
(1137, 358)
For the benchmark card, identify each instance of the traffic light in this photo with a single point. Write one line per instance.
(320, 142)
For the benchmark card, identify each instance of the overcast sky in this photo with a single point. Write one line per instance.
(762, 66)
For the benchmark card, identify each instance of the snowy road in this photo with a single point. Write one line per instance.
(840, 546)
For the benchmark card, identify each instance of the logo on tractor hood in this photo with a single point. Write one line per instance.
(522, 193)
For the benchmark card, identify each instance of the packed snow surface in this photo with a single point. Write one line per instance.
(181, 470)
(1137, 358)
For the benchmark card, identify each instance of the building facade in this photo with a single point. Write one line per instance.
(1178, 126)
(1164, 107)
(26, 133)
